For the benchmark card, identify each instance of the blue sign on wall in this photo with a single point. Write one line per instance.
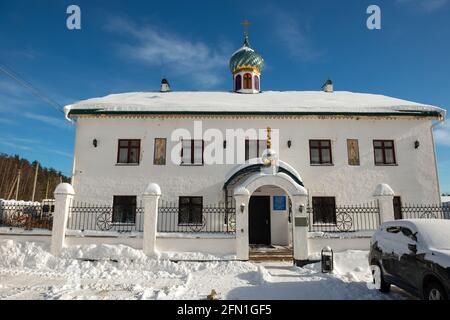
(279, 203)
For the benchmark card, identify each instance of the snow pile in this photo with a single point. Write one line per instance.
(29, 271)
(104, 252)
(262, 275)
(27, 255)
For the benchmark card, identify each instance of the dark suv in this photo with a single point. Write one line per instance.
(413, 255)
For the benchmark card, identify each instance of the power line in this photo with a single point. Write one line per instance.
(37, 93)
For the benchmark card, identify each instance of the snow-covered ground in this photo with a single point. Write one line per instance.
(29, 271)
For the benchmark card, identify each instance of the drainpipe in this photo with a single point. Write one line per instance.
(440, 120)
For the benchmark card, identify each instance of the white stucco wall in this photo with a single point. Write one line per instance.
(97, 177)
(316, 245)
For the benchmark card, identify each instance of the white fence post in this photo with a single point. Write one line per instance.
(151, 199)
(63, 197)
(385, 196)
(300, 226)
(242, 198)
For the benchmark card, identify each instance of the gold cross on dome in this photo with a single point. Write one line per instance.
(246, 25)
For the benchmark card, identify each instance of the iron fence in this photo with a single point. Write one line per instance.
(425, 211)
(88, 217)
(25, 216)
(218, 218)
(344, 218)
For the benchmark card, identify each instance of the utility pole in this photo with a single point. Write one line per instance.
(18, 184)
(35, 181)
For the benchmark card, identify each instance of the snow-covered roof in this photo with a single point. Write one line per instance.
(269, 102)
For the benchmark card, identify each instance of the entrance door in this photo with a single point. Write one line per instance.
(259, 220)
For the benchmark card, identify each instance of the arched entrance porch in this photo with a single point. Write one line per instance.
(294, 191)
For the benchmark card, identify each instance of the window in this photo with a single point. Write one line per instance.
(190, 210)
(128, 151)
(324, 209)
(124, 209)
(247, 81)
(393, 229)
(159, 154)
(353, 152)
(320, 152)
(409, 234)
(256, 83)
(384, 152)
(254, 148)
(192, 152)
(238, 83)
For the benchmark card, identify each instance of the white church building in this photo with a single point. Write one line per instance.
(250, 167)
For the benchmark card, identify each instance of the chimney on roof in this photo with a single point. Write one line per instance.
(165, 85)
(328, 86)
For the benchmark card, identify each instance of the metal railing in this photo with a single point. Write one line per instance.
(217, 218)
(344, 218)
(25, 216)
(425, 211)
(88, 217)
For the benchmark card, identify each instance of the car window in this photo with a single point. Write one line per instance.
(393, 229)
(408, 233)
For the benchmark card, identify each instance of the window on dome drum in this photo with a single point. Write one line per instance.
(320, 152)
(128, 151)
(324, 209)
(247, 81)
(124, 209)
(256, 83)
(192, 152)
(254, 148)
(238, 83)
(384, 152)
(190, 210)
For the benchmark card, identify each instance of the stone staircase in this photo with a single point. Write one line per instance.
(270, 253)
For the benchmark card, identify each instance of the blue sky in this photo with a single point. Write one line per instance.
(129, 45)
